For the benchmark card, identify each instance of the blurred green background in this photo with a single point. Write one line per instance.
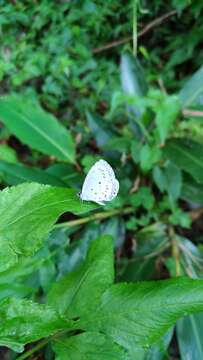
(75, 88)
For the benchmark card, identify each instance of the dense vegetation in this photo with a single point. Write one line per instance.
(81, 81)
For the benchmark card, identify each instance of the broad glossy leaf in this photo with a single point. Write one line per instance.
(187, 155)
(138, 315)
(36, 128)
(14, 174)
(90, 345)
(23, 321)
(192, 88)
(79, 292)
(189, 333)
(156, 352)
(27, 214)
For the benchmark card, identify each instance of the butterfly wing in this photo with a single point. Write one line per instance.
(100, 184)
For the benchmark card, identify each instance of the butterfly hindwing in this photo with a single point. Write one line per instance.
(100, 184)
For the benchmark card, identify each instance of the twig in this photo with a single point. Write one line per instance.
(195, 113)
(98, 216)
(146, 29)
(175, 251)
(35, 348)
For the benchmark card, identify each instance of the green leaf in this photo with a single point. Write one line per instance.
(79, 292)
(149, 156)
(192, 88)
(36, 128)
(138, 315)
(100, 129)
(166, 115)
(90, 345)
(132, 76)
(134, 84)
(187, 155)
(8, 154)
(27, 214)
(189, 334)
(143, 197)
(192, 191)
(23, 321)
(14, 174)
(169, 178)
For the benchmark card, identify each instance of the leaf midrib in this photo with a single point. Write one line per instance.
(36, 209)
(42, 133)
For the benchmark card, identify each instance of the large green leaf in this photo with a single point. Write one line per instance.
(100, 129)
(36, 128)
(187, 155)
(23, 321)
(189, 334)
(14, 174)
(79, 292)
(27, 213)
(90, 345)
(168, 178)
(138, 315)
(192, 88)
(134, 84)
(192, 191)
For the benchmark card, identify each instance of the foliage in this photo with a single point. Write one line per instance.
(72, 92)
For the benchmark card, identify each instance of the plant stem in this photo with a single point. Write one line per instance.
(135, 28)
(175, 251)
(98, 216)
(34, 349)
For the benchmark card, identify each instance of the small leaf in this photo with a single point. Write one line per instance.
(149, 156)
(27, 214)
(23, 321)
(166, 115)
(36, 128)
(79, 292)
(89, 345)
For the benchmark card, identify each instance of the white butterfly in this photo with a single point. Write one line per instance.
(100, 184)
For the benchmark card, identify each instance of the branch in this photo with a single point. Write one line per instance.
(146, 29)
(98, 216)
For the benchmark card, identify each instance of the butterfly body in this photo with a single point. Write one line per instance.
(100, 184)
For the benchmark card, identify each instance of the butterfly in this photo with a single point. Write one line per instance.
(100, 184)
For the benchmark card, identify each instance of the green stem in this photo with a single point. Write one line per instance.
(98, 216)
(135, 28)
(35, 348)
